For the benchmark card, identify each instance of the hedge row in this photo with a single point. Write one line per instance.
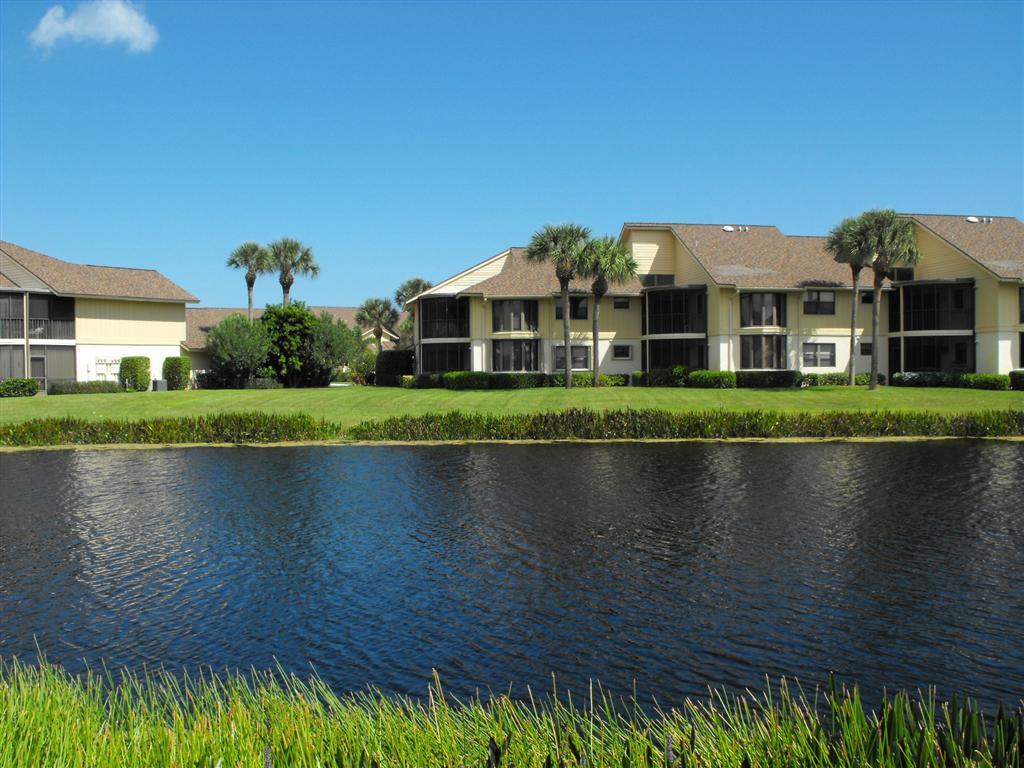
(487, 380)
(18, 387)
(681, 376)
(581, 424)
(586, 424)
(252, 427)
(83, 387)
(1017, 380)
(959, 380)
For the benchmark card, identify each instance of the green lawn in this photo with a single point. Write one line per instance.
(351, 405)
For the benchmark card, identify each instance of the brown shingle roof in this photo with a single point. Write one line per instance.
(88, 280)
(997, 245)
(199, 320)
(6, 282)
(519, 277)
(763, 257)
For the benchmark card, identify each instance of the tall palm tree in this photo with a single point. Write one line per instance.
(254, 259)
(565, 246)
(290, 258)
(377, 314)
(892, 239)
(850, 243)
(606, 262)
(414, 286)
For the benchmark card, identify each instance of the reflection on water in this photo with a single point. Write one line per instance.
(676, 566)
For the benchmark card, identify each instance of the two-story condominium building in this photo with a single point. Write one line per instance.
(738, 297)
(64, 321)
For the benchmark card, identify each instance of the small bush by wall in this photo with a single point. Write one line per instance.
(957, 380)
(711, 379)
(1017, 380)
(84, 387)
(18, 387)
(837, 379)
(134, 373)
(666, 377)
(392, 365)
(177, 372)
(768, 379)
(983, 381)
(466, 380)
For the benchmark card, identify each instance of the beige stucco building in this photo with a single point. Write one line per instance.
(64, 321)
(738, 297)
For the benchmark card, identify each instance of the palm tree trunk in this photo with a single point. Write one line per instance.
(379, 334)
(250, 301)
(286, 287)
(853, 326)
(877, 299)
(567, 368)
(596, 334)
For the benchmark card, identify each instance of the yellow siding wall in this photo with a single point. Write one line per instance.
(654, 251)
(106, 321)
(939, 260)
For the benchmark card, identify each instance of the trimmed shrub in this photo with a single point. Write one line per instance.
(1017, 380)
(466, 380)
(262, 383)
(983, 381)
(711, 379)
(768, 379)
(134, 374)
(996, 381)
(528, 380)
(581, 379)
(84, 387)
(637, 379)
(392, 365)
(583, 424)
(18, 387)
(666, 377)
(428, 381)
(177, 372)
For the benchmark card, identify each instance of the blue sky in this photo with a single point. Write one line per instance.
(416, 139)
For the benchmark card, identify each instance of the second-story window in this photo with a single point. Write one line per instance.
(577, 308)
(762, 309)
(820, 303)
(514, 315)
(444, 318)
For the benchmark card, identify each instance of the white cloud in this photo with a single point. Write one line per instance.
(98, 21)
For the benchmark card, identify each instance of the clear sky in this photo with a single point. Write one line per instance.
(417, 139)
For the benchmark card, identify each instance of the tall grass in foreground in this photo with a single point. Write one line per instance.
(49, 718)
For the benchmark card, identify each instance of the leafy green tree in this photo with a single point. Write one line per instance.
(414, 286)
(376, 315)
(290, 330)
(605, 262)
(405, 333)
(254, 259)
(564, 245)
(892, 240)
(331, 345)
(290, 258)
(238, 349)
(850, 243)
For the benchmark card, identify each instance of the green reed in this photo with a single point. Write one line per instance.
(51, 718)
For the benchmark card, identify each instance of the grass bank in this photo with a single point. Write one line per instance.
(51, 718)
(348, 406)
(570, 424)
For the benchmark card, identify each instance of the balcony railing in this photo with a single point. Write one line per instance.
(38, 328)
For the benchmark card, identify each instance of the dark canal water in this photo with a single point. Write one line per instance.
(674, 566)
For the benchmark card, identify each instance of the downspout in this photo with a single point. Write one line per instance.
(24, 328)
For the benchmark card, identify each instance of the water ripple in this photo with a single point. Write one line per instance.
(672, 567)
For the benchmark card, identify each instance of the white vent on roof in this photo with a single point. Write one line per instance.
(973, 219)
(728, 228)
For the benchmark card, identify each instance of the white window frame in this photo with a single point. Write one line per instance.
(629, 347)
(554, 357)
